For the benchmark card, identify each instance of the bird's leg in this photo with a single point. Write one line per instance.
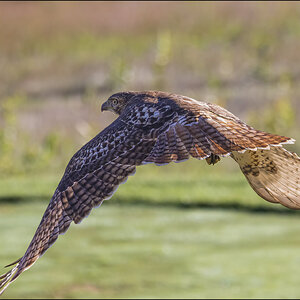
(213, 159)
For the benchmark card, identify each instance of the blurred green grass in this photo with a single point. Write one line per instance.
(188, 184)
(185, 230)
(150, 252)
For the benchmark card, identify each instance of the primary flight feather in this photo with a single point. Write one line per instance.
(157, 127)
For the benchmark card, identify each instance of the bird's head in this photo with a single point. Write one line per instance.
(117, 102)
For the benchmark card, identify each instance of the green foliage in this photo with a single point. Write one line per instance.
(11, 149)
(277, 117)
(281, 117)
(162, 58)
(163, 48)
(119, 74)
(19, 152)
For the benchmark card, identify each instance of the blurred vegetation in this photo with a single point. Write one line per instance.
(22, 154)
(162, 59)
(278, 117)
(19, 152)
(146, 252)
(209, 228)
(60, 61)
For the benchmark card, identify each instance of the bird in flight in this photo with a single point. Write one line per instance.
(158, 127)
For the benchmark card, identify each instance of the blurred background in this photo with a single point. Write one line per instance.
(185, 230)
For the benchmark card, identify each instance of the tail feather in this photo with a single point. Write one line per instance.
(273, 174)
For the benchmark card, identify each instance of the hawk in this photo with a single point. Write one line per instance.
(158, 127)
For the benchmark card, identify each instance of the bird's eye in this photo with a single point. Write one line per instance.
(115, 102)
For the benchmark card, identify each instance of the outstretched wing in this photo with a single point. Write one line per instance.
(207, 129)
(92, 176)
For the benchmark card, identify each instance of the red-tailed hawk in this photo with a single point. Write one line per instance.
(157, 127)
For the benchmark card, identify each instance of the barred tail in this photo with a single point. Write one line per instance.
(273, 174)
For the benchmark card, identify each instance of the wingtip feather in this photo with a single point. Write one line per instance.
(7, 279)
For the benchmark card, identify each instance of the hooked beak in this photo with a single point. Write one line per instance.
(104, 106)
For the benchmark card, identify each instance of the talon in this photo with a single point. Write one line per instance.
(213, 159)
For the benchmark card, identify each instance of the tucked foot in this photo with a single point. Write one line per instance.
(213, 159)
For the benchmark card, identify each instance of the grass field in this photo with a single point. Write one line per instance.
(185, 230)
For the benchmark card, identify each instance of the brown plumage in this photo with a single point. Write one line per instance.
(157, 127)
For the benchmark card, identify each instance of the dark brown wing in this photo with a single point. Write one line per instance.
(91, 177)
(209, 129)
